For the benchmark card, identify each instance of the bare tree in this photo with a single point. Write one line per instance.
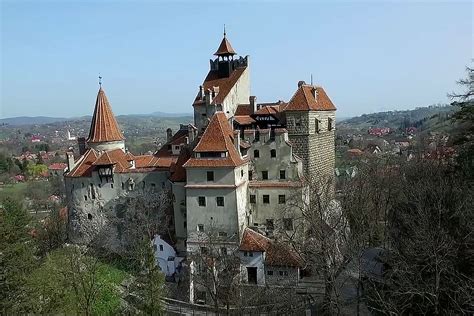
(215, 267)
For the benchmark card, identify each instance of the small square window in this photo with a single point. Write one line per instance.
(273, 153)
(246, 254)
(281, 199)
(281, 273)
(161, 247)
(202, 201)
(204, 250)
(282, 174)
(223, 251)
(256, 154)
(264, 175)
(200, 228)
(253, 199)
(210, 176)
(270, 272)
(222, 234)
(266, 199)
(220, 200)
(250, 254)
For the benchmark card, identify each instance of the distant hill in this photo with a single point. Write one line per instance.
(418, 117)
(38, 120)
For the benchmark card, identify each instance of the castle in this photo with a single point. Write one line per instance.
(231, 170)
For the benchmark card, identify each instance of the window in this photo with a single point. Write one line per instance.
(112, 185)
(222, 234)
(253, 199)
(264, 175)
(220, 200)
(270, 223)
(184, 224)
(256, 154)
(283, 273)
(329, 124)
(272, 135)
(266, 199)
(250, 254)
(281, 199)
(250, 174)
(257, 136)
(204, 250)
(241, 173)
(200, 228)
(154, 247)
(123, 185)
(288, 223)
(89, 216)
(273, 153)
(210, 176)
(202, 201)
(85, 197)
(161, 247)
(270, 272)
(282, 174)
(224, 251)
(298, 122)
(246, 253)
(316, 125)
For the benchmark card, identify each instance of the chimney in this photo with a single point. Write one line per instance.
(253, 103)
(315, 93)
(169, 134)
(81, 142)
(70, 160)
(237, 140)
(300, 83)
(191, 132)
(201, 95)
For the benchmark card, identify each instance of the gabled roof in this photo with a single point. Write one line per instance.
(57, 166)
(219, 138)
(84, 166)
(275, 254)
(243, 109)
(244, 119)
(305, 100)
(104, 127)
(225, 49)
(225, 84)
(178, 172)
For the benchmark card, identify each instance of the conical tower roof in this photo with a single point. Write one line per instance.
(225, 49)
(104, 127)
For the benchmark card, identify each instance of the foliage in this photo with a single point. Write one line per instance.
(70, 280)
(16, 256)
(51, 233)
(36, 170)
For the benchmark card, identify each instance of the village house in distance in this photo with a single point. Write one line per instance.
(231, 172)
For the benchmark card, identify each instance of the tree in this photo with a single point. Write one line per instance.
(16, 256)
(51, 233)
(215, 267)
(430, 234)
(148, 285)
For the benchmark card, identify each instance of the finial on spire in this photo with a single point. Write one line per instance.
(311, 79)
(100, 81)
(224, 31)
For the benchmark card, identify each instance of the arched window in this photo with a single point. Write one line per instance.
(256, 153)
(273, 153)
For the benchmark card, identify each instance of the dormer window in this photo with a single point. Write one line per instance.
(105, 172)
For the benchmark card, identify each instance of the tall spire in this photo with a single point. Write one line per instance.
(104, 127)
(225, 49)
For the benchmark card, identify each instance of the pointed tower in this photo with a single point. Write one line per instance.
(104, 133)
(226, 85)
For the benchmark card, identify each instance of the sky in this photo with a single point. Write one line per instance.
(153, 55)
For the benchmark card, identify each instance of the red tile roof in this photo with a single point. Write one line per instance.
(244, 120)
(304, 100)
(225, 84)
(84, 166)
(275, 254)
(57, 166)
(178, 172)
(218, 137)
(104, 127)
(225, 49)
(243, 109)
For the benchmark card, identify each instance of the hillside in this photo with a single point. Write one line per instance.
(431, 117)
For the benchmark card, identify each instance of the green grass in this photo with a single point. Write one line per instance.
(17, 190)
(108, 301)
